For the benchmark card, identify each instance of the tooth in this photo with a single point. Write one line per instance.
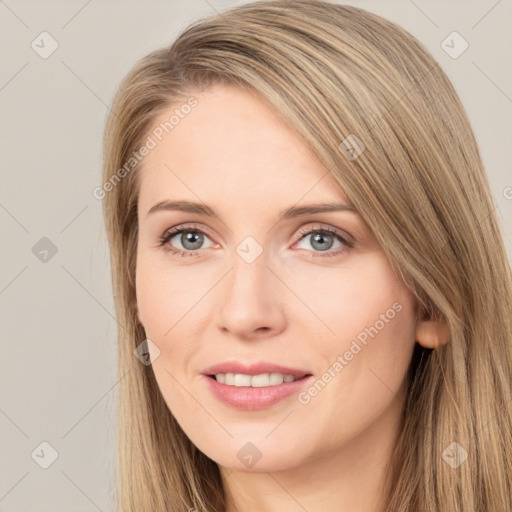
(276, 378)
(242, 380)
(259, 381)
(255, 381)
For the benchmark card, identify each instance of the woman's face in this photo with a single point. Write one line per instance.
(251, 285)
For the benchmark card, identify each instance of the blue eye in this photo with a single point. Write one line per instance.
(323, 239)
(191, 239)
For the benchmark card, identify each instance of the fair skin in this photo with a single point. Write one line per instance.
(296, 304)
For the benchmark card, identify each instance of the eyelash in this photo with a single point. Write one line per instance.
(163, 240)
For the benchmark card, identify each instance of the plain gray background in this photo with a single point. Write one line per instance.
(58, 363)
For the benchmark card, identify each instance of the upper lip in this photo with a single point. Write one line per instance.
(256, 368)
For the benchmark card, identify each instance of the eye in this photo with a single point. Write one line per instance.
(324, 239)
(190, 238)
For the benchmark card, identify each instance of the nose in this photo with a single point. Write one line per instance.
(251, 300)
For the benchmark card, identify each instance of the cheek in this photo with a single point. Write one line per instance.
(365, 360)
(367, 318)
(166, 295)
(172, 309)
(162, 302)
(358, 294)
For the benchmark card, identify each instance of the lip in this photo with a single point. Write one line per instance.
(248, 398)
(253, 369)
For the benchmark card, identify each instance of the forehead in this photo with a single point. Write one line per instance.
(232, 146)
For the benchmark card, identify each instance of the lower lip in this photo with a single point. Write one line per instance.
(244, 397)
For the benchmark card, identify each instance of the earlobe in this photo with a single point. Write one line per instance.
(432, 333)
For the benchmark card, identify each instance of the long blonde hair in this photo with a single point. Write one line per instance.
(332, 72)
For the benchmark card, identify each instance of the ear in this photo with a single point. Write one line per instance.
(432, 333)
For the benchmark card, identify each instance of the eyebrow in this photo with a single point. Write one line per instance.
(288, 213)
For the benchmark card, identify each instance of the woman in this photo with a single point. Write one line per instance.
(307, 266)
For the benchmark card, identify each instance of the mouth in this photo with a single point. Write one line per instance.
(253, 385)
(255, 392)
